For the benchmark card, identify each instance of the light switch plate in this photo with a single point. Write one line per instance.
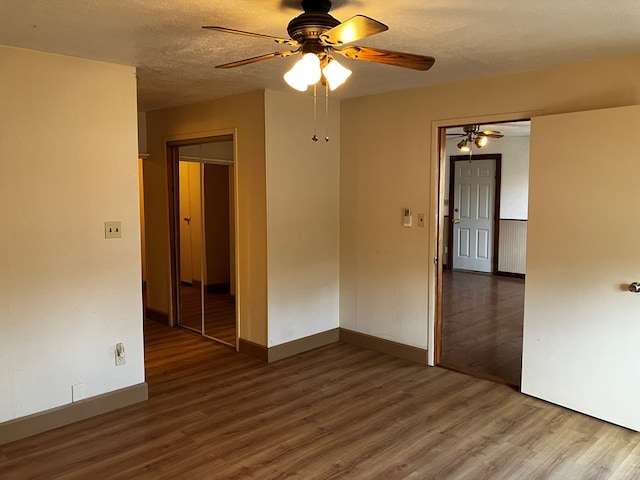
(112, 229)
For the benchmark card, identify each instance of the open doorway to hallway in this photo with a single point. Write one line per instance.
(483, 245)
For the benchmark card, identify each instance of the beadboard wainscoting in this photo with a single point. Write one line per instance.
(512, 252)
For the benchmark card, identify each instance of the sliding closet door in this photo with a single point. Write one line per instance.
(205, 240)
(190, 246)
(219, 252)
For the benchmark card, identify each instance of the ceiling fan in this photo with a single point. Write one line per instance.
(319, 37)
(474, 136)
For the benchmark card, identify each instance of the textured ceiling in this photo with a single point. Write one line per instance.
(175, 57)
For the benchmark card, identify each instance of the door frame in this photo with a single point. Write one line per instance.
(172, 156)
(496, 202)
(435, 247)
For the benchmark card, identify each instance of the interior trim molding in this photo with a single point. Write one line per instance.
(289, 349)
(511, 274)
(73, 412)
(388, 347)
(253, 350)
(157, 316)
(302, 345)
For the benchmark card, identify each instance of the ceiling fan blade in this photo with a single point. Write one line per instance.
(492, 134)
(247, 61)
(389, 57)
(355, 28)
(282, 41)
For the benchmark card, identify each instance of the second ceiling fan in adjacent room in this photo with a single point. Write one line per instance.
(472, 135)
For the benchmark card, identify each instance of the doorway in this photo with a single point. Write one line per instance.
(481, 284)
(204, 247)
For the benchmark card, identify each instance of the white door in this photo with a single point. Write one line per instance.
(581, 324)
(473, 215)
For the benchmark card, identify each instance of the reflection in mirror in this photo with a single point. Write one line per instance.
(207, 240)
(219, 299)
(190, 298)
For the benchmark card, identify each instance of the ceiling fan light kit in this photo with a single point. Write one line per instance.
(474, 136)
(463, 145)
(335, 73)
(480, 141)
(307, 72)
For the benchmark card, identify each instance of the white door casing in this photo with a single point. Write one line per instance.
(473, 215)
(581, 346)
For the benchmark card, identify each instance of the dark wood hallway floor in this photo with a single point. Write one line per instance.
(482, 325)
(336, 412)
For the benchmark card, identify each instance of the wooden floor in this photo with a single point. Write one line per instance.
(219, 313)
(336, 412)
(482, 325)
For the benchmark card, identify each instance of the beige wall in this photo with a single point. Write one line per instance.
(68, 163)
(388, 162)
(303, 217)
(285, 180)
(244, 114)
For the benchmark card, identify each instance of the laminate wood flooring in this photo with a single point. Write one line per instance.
(219, 313)
(340, 411)
(482, 317)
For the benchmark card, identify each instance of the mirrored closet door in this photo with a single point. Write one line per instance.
(206, 239)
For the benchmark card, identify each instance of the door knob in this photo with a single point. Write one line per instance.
(187, 219)
(456, 220)
(634, 287)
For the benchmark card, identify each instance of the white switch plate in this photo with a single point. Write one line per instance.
(112, 229)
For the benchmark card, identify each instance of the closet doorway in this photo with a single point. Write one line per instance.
(204, 246)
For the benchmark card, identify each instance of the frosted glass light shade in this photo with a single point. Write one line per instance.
(294, 81)
(305, 72)
(335, 74)
(480, 141)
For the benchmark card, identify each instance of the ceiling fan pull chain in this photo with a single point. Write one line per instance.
(326, 112)
(315, 113)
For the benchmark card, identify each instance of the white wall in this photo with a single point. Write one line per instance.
(514, 193)
(68, 163)
(302, 217)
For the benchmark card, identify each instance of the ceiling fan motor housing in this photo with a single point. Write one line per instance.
(313, 22)
(316, 5)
